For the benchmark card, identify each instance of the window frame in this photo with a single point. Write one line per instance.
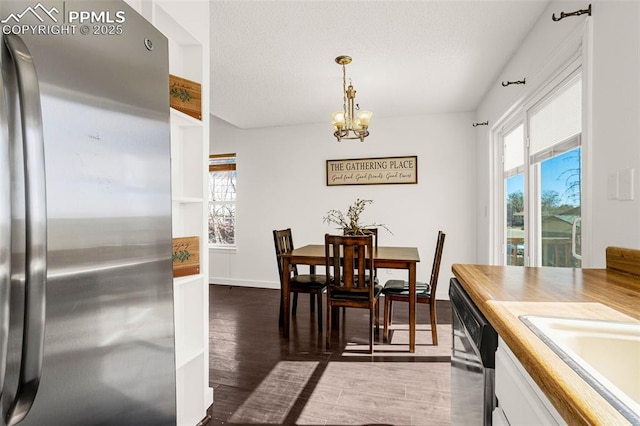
(223, 167)
(515, 120)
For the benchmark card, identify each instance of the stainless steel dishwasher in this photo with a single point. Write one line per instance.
(472, 361)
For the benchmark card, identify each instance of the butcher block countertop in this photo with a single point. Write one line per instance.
(503, 293)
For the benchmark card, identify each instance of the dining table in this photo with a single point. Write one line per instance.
(384, 257)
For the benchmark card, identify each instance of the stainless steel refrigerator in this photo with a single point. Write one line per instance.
(86, 299)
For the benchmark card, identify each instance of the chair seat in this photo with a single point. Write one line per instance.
(400, 287)
(336, 294)
(310, 281)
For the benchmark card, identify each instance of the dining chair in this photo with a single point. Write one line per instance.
(346, 258)
(311, 283)
(398, 291)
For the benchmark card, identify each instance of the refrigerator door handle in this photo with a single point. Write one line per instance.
(5, 234)
(36, 229)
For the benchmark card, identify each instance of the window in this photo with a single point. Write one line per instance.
(555, 157)
(222, 199)
(541, 185)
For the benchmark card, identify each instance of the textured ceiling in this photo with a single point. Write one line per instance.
(272, 62)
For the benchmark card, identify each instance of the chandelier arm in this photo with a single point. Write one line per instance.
(352, 134)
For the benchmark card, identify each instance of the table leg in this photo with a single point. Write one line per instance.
(285, 298)
(412, 308)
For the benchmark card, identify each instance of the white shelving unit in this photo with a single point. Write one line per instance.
(186, 25)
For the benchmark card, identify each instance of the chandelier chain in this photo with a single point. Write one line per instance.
(344, 90)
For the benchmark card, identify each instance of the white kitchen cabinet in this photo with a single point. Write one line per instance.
(186, 25)
(520, 400)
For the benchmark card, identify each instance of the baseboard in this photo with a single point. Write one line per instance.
(443, 307)
(205, 421)
(244, 283)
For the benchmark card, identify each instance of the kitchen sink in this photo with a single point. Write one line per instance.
(606, 354)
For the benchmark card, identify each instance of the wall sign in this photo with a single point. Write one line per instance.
(185, 96)
(372, 171)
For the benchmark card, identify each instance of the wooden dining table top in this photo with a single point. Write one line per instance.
(396, 256)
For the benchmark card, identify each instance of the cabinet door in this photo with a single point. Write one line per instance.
(499, 419)
(521, 400)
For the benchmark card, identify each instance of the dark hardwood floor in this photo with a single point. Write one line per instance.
(260, 378)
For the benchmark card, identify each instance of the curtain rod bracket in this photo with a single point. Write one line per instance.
(576, 13)
(507, 83)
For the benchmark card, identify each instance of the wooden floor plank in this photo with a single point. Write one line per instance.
(261, 378)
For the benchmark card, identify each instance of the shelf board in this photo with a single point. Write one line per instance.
(188, 279)
(187, 200)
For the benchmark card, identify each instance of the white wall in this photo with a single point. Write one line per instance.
(281, 183)
(611, 141)
(616, 123)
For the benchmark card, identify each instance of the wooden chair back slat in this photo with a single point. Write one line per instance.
(435, 269)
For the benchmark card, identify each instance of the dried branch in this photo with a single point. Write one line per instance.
(349, 223)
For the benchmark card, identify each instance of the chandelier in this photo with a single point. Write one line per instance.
(346, 123)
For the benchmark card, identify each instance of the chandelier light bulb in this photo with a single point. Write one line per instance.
(364, 117)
